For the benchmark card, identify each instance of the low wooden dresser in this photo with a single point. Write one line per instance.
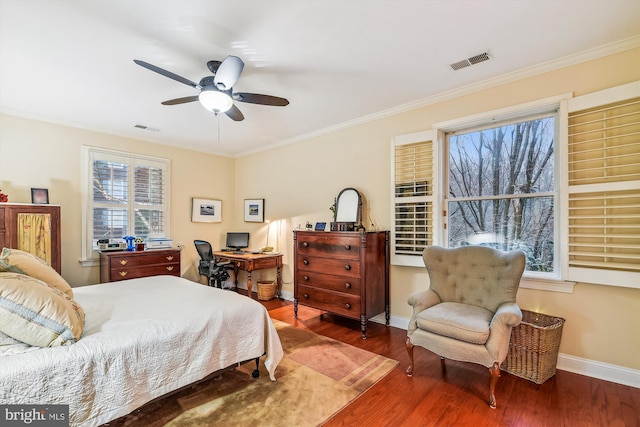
(342, 272)
(122, 265)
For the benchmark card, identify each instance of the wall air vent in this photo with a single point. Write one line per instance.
(475, 59)
(147, 128)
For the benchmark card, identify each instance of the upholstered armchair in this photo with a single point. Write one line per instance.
(470, 307)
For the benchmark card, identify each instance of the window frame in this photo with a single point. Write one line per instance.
(532, 280)
(566, 103)
(551, 110)
(89, 256)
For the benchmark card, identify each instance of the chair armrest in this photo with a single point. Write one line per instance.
(421, 301)
(506, 317)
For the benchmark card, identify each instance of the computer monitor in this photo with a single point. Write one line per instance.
(237, 240)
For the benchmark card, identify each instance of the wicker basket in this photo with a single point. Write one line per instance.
(533, 349)
(266, 290)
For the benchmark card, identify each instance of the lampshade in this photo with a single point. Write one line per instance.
(215, 101)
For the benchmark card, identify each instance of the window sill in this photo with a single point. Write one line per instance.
(547, 285)
(92, 262)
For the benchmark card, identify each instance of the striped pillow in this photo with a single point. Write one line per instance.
(36, 313)
(17, 261)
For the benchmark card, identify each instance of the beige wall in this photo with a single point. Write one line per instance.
(602, 324)
(39, 154)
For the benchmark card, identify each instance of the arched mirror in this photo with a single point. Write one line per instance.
(348, 208)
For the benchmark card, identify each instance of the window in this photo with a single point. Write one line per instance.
(501, 189)
(557, 178)
(126, 194)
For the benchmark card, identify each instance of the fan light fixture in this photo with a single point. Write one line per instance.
(215, 101)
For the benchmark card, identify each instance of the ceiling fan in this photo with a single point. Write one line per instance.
(216, 91)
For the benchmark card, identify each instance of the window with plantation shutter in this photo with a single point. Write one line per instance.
(126, 195)
(604, 187)
(413, 219)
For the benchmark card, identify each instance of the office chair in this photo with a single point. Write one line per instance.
(209, 266)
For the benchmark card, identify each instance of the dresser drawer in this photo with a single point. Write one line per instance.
(144, 271)
(329, 245)
(345, 284)
(343, 267)
(336, 302)
(127, 260)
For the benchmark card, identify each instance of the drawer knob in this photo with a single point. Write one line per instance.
(306, 296)
(347, 247)
(347, 267)
(170, 268)
(347, 285)
(347, 306)
(123, 262)
(306, 277)
(305, 244)
(170, 258)
(123, 273)
(305, 262)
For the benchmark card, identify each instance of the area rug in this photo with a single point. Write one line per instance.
(317, 377)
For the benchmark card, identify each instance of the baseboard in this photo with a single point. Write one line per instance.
(600, 370)
(566, 362)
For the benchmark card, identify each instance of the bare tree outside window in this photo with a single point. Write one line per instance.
(501, 189)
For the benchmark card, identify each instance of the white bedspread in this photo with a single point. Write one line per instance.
(143, 338)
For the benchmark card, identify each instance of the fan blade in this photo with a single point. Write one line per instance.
(228, 72)
(167, 73)
(180, 100)
(256, 98)
(235, 114)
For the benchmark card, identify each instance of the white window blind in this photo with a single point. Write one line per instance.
(604, 189)
(413, 219)
(127, 195)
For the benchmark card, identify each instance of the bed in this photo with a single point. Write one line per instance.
(142, 338)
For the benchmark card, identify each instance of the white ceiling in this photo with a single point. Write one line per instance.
(71, 61)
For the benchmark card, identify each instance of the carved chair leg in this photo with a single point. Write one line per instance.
(494, 370)
(409, 346)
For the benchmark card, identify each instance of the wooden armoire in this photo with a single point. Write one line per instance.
(32, 228)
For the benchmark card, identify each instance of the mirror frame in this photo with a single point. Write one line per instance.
(358, 218)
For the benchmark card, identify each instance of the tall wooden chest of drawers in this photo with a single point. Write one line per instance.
(345, 273)
(122, 265)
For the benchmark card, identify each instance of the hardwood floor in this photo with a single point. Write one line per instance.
(459, 397)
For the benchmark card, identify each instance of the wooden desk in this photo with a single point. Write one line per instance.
(250, 262)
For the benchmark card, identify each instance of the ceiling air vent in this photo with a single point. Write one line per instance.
(147, 128)
(475, 59)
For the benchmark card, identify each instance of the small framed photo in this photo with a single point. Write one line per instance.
(320, 226)
(206, 210)
(254, 210)
(40, 196)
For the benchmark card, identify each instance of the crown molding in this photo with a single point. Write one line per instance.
(545, 67)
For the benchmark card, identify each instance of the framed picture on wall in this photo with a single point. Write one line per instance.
(254, 210)
(40, 196)
(206, 210)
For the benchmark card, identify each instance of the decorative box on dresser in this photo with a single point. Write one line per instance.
(41, 237)
(122, 265)
(342, 272)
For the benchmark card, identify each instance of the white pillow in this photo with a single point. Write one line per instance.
(36, 313)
